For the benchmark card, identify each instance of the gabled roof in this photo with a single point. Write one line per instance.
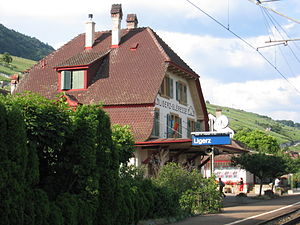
(128, 75)
(125, 81)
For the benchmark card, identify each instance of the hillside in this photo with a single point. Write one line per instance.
(20, 45)
(18, 65)
(240, 119)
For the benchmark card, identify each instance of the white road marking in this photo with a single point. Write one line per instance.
(252, 217)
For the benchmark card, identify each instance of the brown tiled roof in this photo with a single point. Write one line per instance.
(140, 119)
(125, 76)
(83, 58)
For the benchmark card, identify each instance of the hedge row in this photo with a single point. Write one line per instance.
(62, 167)
(59, 166)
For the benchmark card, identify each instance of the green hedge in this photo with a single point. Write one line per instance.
(62, 167)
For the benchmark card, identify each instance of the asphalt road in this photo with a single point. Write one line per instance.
(248, 212)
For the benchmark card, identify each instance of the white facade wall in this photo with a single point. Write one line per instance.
(168, 105)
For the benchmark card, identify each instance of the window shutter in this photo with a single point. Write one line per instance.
(188, 127)
(156, 123)
(78, 79)
(177, 91)
(184, 94)
(65, 80)
(169, 126)
(180, 127)
(171, 87)
(198, 125)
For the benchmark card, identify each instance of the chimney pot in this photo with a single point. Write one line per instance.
(116, 15)
(116, 9)
(132, 21)
(89, 33)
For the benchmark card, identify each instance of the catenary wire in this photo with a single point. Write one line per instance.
(273, 21)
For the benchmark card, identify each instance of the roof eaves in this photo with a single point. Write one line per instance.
(193, 75)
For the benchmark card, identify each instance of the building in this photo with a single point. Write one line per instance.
(141, 81)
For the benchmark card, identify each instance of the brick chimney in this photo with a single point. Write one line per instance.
(132, 21)
(89, 33)
(116, 15)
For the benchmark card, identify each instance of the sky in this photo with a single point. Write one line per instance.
(227, 49)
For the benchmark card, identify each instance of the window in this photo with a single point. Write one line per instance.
(181, 92)
(72, 79)
(155, 130)
(166, 88)
(191, 127)
(198, 126)
(174, 126)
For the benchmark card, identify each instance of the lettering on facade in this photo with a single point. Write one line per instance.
(175, 107)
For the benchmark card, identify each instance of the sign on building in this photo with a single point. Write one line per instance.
(210, 138)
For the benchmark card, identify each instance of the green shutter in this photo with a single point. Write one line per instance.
(189, 126)
(155, 130)
(198, 125)
(78, 79)
(171, 87)
(180, 128)
(177, 91)
(169, 126)
(184, 94)
(65, 80)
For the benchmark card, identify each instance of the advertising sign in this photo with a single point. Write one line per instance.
(211, 139)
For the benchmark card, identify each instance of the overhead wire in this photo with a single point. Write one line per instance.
(273, 21)
(246, 42)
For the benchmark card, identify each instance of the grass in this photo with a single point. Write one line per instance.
(241, 119)
(18, 65)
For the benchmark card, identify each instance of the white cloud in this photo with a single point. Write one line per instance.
(275, 98)
(57, 9)
(222, 52)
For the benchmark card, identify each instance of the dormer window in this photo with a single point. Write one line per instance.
(77, 72)
(73, 79)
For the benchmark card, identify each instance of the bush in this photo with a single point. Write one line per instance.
(196, 194)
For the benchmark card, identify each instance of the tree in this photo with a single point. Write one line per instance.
(6, 57)
(262, 165)
(258, 141)
(124, 142)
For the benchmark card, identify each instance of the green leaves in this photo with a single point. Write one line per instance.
(196, 194)
(258, 141)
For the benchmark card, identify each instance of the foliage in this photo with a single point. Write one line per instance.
(17, 66)
(262, 165)
(21, 45)
(195, 193)
(6, 57)
(143, 199)
(124, 142)
(258, 141)
(239, 119)
(289, 123)
(59, 166)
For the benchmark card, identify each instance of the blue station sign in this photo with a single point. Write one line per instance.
(207, 138)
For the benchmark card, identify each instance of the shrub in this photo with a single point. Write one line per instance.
(195, 193)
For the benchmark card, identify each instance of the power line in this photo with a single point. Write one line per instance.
(273, 21)
(246, 42)
(273, 10)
